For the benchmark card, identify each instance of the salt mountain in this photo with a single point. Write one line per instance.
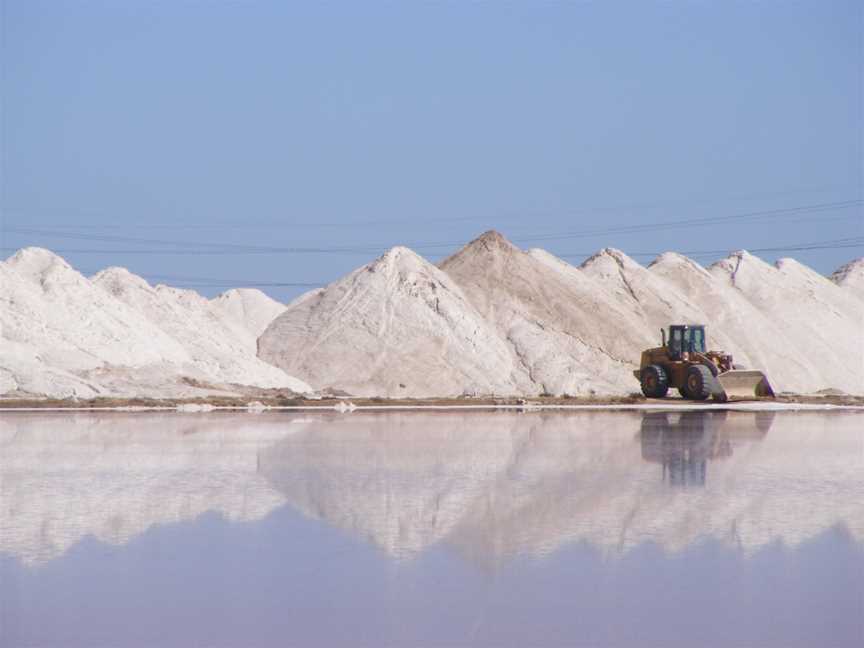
(63, 335)
(495, 319)
(490, 319)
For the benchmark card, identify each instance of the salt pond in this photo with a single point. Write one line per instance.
(439, 528)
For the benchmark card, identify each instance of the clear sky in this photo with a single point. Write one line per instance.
(274, 142)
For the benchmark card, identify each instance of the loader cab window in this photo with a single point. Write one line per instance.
(697, 339)
(676, 342)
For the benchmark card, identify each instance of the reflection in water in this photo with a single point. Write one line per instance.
(414, 529)
(684, 443)
(490, 485)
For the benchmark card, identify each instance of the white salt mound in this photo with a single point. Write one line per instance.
(548, 313)
(809, 316)
(64, 336)
(220, 348)
(398, 326)
(554, 328)
(248, 307)
(492, 320)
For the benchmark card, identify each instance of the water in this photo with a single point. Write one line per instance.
(445, 529)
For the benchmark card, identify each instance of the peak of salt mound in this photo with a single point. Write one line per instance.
(676, 261)
(490, 244)
(38, 264)
(610, 255)
(492, 239)
(851, 277)
(856, 266)
(741, 265)
(397, 258)
(248, 307)
(35, 257)
(117, 281)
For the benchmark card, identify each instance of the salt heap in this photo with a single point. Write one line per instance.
(808, 315)
(491, 320)
(250, 308)
(737, 326)
(549, 327)
(549, 314)
(62, 335)
(398, 326)
(220, 348)
(56, 326)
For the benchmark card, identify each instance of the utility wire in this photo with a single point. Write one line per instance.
(210, 282)
(233, 248)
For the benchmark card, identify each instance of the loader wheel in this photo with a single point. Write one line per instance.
(654, 381)
(697, 385)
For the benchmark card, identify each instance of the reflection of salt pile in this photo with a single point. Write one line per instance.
(524, 323)
(491, 485)
(65, 477)
(64, 335)
(501, 485)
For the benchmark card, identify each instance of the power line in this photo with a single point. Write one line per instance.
(507, 216)
(202, 247)
(853, 242)
(211, 282)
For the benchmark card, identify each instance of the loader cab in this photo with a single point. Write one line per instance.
(685, 338)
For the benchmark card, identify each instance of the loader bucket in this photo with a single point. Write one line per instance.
(741, 384)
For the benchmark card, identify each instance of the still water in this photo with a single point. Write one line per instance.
(441, 529)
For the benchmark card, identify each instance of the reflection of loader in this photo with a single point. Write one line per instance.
(684, 363)
(684, 442)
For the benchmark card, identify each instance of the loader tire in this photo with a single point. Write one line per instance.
(697, 383)
(655, 382)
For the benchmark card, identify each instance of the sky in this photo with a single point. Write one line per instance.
(216, 144)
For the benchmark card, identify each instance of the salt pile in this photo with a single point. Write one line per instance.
(250, 308)
(525, 323)
(491, 320)
(64, 335)
(548, 316)
(398, 326)
(221, 346)
(811, 321)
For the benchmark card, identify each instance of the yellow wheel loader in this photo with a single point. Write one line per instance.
(684, 363)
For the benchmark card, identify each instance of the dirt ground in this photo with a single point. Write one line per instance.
(290, 400)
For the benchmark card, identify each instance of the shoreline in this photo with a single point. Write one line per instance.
(348, 404)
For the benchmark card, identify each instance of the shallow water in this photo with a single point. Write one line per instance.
(444, 529)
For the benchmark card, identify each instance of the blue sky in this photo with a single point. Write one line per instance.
(278, 142)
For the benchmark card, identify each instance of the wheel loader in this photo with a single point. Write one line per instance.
(683, 362)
